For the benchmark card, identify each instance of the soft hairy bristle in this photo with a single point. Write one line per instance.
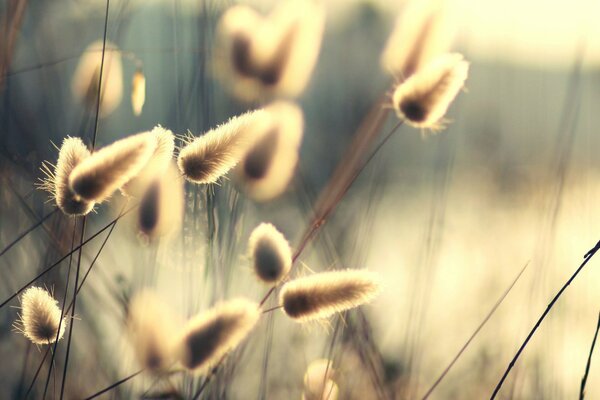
(321, 295)
(158, 163)
(212, 334)
(319, 381)
(40, 316)
(161, 207)
(422, 32)
(269, 56)
(86, 78)
(138, 92)
(270, 252)
(271, 160)
(71, 153)
(152, 329)
(106, 170)
(424, 98)
(210, 156)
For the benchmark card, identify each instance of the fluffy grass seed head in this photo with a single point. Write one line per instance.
(323, 294)
(85, 80)
(138, 92)
(270, 162)
(269, 56)
(424, 98)
(207, 158)
(423, 31)
(270, 253)
(157, 165)
(40, 316)
(106, 170)
(152, 329)
(161, 207)
(71, 153)
(212, 334)
(319, 381)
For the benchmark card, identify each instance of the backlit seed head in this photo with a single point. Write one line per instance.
(270, 253)
(424, 98)
(423, 31)
(260, 57)
(40, 317)
(324, 294)
(106, 170)
(270, 163)
(71, 153)
(152, 328)
(214, 333)
(207, 158)
(86, 78)
(138, 92)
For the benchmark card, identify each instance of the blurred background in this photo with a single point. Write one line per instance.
(448, 219)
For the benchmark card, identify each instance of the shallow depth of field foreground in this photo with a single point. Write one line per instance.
(299, 199)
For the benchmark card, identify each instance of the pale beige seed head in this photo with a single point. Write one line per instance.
(161, 207)
(323, 294)
(85, 80)
(267, 168)
(207, 158)
(319, 381)
(106, 170)
(71, 153)
(259, 57)
(158, 163)
(40, 316)
(270, 253)
(138, 92)
(423, 99)
(212, 334)
(423, 31)
(152, 328)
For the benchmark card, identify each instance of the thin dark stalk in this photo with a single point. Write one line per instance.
(481, 325)
(62, 312)
(37, 372)
(57, 263)
(114, 385)
(70, 337)
(588, 256)
(589, 362)
(28, 231)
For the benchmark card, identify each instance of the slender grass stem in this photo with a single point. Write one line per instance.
(588, 256)
(589, 362)
(27, 231)
(114, 385)
(474, 334)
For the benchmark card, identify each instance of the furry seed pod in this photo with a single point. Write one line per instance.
(318, 381)
(106, 170)
(269, 164)
(71, 153)
(422, 32)
(424, 98)
(321, 295)
(270, 252)
(157, 165)
(269, 56)
(40, 316)
(161, 208)
(214, 333)
(152, 329)
(86, 78)
(207, 158)
(138, 92)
